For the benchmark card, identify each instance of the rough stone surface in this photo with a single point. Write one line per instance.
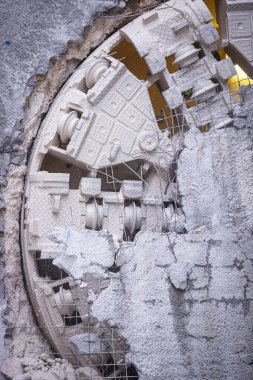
(83, 251)
(87, 343)
(243, 115)
(43, 368)
(31, 35)
(187, 330)
(183, 302)
(38, 40)
(215, 179)
(22, 337)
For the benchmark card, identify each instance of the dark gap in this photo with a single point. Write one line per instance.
(126, 52)
(190, 102)
(52, 164)
(162, 83)
(187, 98)
(179, 123)
(8, 334)
(46, 269)
(114, 268)
(98, 228)
(173, 172)
(129, 237)
(93, 207)
(82, 86)
(218, 88)
(119, 173)
(128, 373)
(205, 128)
(182, 232)
(160, 107)
(65, 286)
(127, 202)
(34, 310)
(201, 53)
(170, 65)
(98, 201)
(72, 320)
(107, 368)
(216, 55)
(166, 204)
(61, 145)
(132, 373)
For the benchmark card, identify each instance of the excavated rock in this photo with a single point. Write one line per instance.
(182, 302)
(83, 251)
(215, 179)
(177, 296)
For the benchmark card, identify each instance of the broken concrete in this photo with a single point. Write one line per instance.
(215, 179)
(83, 251)
(43, 368)
(146, 304)
(87, 343)
(17, 328)
(21, 335)
(198, 291)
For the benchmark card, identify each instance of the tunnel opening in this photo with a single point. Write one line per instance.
(52, 164)
(47, 270)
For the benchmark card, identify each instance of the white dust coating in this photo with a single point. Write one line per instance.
(153, 302)
(137, 303)
(178, 299)
(83, 251)
(215, 179)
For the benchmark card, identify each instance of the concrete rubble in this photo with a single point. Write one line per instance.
(48, 60)
(83, 251)
(215, 178)
(179, 302)
(45, 367)
(177, 295)
(174, 298)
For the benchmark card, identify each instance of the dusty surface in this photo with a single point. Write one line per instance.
(39, 54)
(184, 307)
(185, 300)
(83, 251)
(215, 179)
(188, 298)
